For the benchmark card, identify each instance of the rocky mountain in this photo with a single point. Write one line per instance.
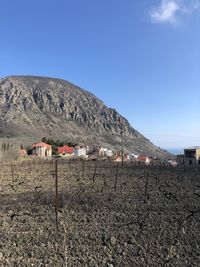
(33, 107)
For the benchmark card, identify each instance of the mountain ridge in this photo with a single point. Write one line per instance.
(35, 106)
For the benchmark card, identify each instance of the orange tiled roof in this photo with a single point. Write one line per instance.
(42, 144)
(142, 158)
(65, 149)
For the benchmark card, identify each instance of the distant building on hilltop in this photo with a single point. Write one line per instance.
(192, 155)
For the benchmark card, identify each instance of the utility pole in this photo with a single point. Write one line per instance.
(56, 192)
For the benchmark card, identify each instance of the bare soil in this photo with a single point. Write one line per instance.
(107, 215)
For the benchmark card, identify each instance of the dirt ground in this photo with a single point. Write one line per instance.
(107, 215)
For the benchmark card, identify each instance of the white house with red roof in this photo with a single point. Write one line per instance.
(42, 150)
(65, 151)
(145, 159)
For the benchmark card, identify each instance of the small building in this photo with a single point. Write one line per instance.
(99, 151)
(127, 156)
(80, 151)
(22, 153)
(118, 158)
(42, 150)
(65, 151)
(192, 155)
(145, 159)
(108, 153)
(134, 156)
(172, 163)
(102, 151)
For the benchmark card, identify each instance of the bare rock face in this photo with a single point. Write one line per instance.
(33, 107)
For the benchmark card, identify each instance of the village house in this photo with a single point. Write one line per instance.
(80, 151)
(134, 156)
(65, 151)
(96, 152)
(192, 155)
(101, 152)
(109, 153)
(127, 157)
(42, 150)
(145, 159)
(172, 163)
(22, 152)
(118, 157)
(105, 152)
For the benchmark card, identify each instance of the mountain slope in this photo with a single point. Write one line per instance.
(33, 107)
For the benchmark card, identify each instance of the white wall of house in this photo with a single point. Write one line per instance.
(147, 161)
(105, 152)
(49, 153)
(109, 153)
(80, 152)
(42, 152)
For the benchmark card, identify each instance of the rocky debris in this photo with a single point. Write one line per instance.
(34, 107)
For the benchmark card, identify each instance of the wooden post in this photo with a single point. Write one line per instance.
(106, 173)
(122, 149)
(116, 176)
(95, 170)
(56, 192)
(83, 167)
(147, 181)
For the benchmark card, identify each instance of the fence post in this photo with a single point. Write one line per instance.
(106, 173)
(116, 176)
(56, 192)
(147, 181)
(83, 167)
(95, 170)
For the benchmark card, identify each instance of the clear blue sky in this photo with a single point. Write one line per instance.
(140, 57)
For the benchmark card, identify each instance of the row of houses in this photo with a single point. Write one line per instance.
(43, 149)
(191, 155)
(139, 158)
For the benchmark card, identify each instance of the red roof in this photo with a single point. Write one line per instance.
(42, 144)
(142, 158)
(65, 149)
